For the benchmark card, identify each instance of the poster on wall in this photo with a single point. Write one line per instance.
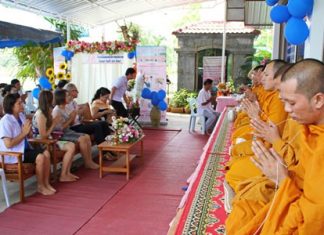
(58, 58)
(212, 68)
(151, 62)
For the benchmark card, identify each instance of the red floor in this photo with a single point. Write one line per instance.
(144, 205)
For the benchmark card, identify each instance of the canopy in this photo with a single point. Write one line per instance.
(13, 35)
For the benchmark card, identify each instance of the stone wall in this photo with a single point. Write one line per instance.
(239, 45)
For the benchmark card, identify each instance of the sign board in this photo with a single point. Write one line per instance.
(212, 68)
(151, 62)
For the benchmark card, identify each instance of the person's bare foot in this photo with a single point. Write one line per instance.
(92, 165)
(74, 176)
(49, 187)
(44, 191)
(67, 178)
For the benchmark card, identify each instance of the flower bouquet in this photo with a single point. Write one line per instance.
(124, 131)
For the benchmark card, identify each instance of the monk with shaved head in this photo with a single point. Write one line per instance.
(297, 202)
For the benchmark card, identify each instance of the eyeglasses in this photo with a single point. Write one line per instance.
(75, 90)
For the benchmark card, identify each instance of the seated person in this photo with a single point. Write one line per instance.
(100, 108)
(61, 84)
(67, 120)
(14, 129)
(44, 125)
(99, 129)
(204, 102)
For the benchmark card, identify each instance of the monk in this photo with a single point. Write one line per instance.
(298, 205)
(253, 94)
(240, 166)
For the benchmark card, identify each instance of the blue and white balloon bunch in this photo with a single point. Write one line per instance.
(294, 13)
(44, 84)
(157, 98)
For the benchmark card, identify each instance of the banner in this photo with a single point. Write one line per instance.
(103, 59)
(212, 68)
(58, 58)
(151, 62)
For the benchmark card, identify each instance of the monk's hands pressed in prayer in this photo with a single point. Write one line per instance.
(269, 162)
(251, 108)
(267, 131)
(250, 95)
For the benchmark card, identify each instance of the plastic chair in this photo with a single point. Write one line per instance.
(193, 116)
(4, 186)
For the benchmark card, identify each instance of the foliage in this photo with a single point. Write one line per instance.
(180, 98)
(33, 61)
(61, 26)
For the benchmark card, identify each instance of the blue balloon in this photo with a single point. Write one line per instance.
(146, 93)
(280, 14)
(155, 99)
(67, 54)
(272, 2)
(36, 92)
(153, 94)
(161, 94)
(44, 83)
(131, 55)
(300, 8)
(296, 31)
(162, 106)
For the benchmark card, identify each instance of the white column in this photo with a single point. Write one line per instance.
(276, 42)
(224, 44)
(314, 45)
(68, 30)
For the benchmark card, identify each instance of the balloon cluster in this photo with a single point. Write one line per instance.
(157, 98)
(44, 83)
(296, 31)
(67, 54)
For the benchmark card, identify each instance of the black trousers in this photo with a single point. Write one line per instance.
(99, 129)
(120, 108)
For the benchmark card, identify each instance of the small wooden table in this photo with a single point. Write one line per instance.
(122, 164)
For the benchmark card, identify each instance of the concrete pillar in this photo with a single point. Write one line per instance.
(186, 69)
(314, 45)
(276, 42)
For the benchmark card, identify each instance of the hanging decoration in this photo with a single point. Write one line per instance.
(110, 47)
(294, 14)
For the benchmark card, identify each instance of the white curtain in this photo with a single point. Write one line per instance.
(89, 77)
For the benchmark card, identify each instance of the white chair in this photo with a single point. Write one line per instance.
(4, 186)
(193, 116)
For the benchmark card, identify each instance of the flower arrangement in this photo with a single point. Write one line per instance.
(125, 132)
(110, 47)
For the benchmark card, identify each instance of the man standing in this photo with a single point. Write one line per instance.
(118, 92)
(204, 101)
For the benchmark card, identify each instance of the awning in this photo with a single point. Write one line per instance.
(13, 35)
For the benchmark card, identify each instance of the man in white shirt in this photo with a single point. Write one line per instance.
(118, 92)
(204, 103)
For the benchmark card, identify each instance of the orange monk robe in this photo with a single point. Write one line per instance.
(255, 193)
(272, 110)
(240, 167)
(298, 206)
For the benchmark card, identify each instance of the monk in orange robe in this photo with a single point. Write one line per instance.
(240, 166)
(298, 205)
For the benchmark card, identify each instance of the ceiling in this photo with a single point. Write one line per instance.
(94, 12)
(100, 12)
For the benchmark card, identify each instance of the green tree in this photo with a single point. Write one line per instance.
(33, 59)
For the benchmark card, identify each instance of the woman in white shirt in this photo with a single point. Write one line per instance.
(67, 120)
(14, 129)
(44, 124)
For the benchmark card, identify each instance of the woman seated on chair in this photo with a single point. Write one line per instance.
(67, 120)
(44, 125)
(100, 108)
(14, 130)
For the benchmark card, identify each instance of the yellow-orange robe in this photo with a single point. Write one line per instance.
(240, 166)
(298, 206)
